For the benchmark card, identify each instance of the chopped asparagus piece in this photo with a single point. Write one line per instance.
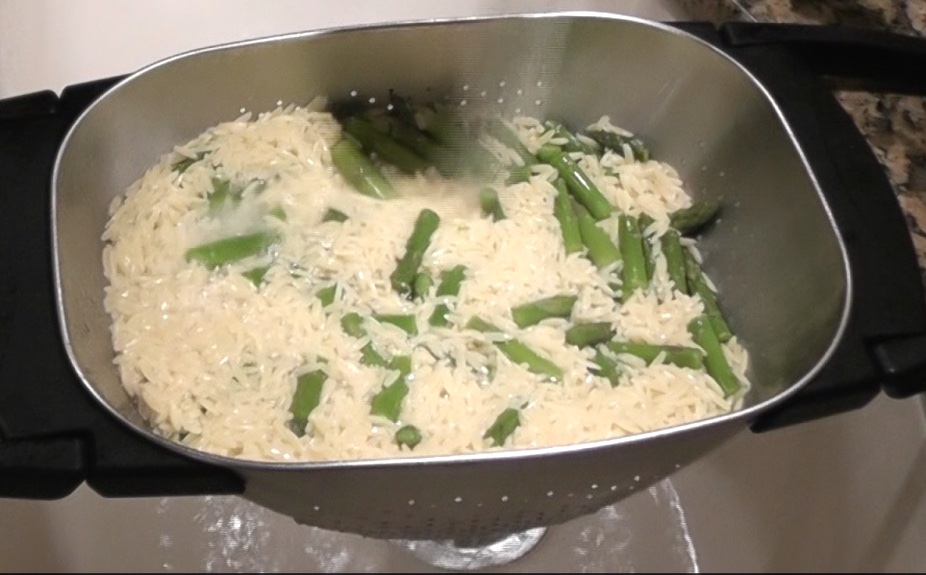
(534, 312)
(503, 426)
(403, 277)
(716, 362)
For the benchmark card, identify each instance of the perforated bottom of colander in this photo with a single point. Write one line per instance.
(457, 556)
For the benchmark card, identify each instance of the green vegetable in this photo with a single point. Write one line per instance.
(630, 240)
(534, 312)
(580, 185)
(422, 285)
(644, 222)
(352, 324)
(184, 164)
(518, 352)
(279, 213)
(497, 128)
(405, 131)
(228, 250)
(326, 296)
(406, 323)
(408, 435)
(333, 215)
(306, 398)
(360, 171)
(444, 124)
(518, 174)
(402, 364)
(449, 286)
(690, 220)
(388, 401)
(589, 334)
(481, 163)
(256, 275)
(222, 195)
(384, 146)
(716, 362)
(573, 144)
(615, 141)
(675, 259)
(503, 426)
(566, 216)
(606, 367)
(697, 285)
(676, 355)
(601, 249)
(407, 267)
(491, 204)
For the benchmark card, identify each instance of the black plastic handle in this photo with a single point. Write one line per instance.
(884, 347)
(52, 436)
(847, 57)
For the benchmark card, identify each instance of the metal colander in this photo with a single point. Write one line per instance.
(698, 110)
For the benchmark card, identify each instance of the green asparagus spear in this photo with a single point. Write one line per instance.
(496, 128)
(256, 275)
(503, 426)
(359, 170)
(326, 296)
(352, 324)
(589, 334)
(422, 285)
(630, 240)
(615, 141)
(534, 312)
(222, 195)
(716, 362)
(402, 364)
(676, 355)
(675, 260)
(333, 215)
(383, 145)
(405, 322)
(449, 286)
(573, 144)
(491, 204)
(606, 367)
(481, 163)
(578, 182)
(518, 352)
(408, 435)
(278, 212)
(388, 401)
(601, 249)
(690, 220)
(407, 267)
(228, 250)
(444, 124)
(407, 134)
(306, 398)
(644, 221)
(697, 285)
(567, 218)
(518, 174)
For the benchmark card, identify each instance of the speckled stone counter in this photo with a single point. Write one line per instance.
(895, 125)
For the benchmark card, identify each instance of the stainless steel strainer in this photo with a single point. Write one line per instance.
(698, 110)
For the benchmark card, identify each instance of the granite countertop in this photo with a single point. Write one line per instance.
(894, 124)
